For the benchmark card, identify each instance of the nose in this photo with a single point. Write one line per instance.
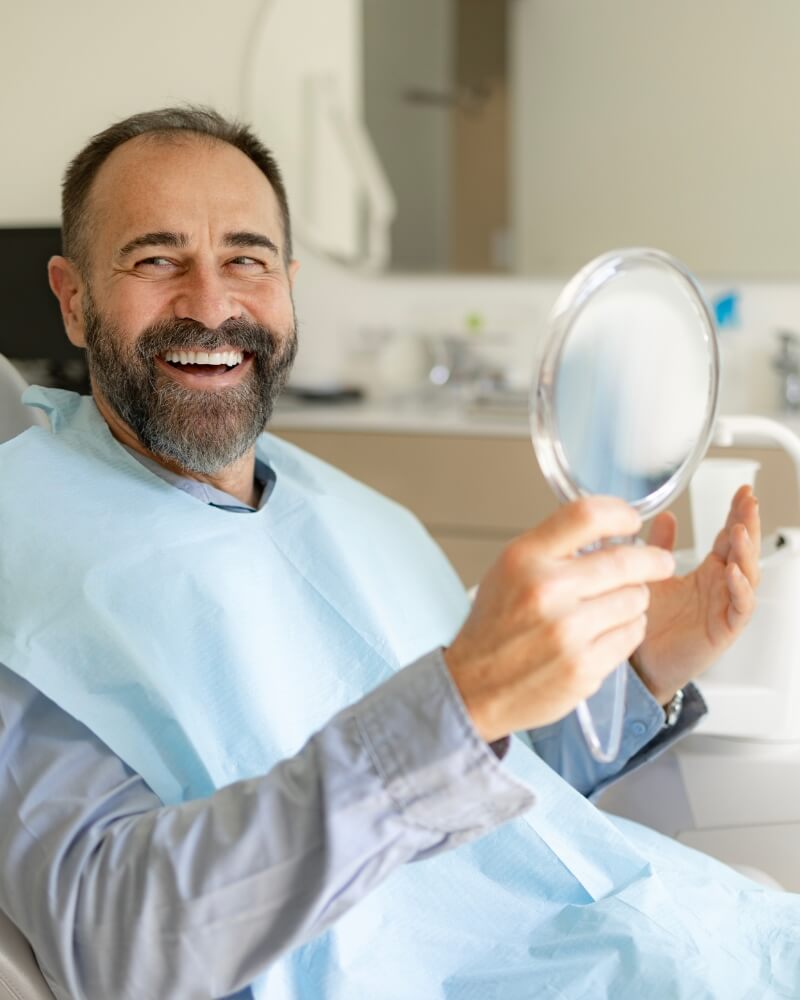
(205, 298)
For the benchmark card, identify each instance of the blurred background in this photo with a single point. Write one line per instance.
(449, 163)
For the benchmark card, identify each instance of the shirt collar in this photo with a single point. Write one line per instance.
(205, 492)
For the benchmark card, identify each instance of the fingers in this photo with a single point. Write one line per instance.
(526, 654)
(608, 651)
(740, 541)
(616, 566)
(751, 518)
(592, 618)
(582, 523)
(743, 510)
(618, 645)
(742, 598)
(744, 554)
(721, 545)
(664, 531)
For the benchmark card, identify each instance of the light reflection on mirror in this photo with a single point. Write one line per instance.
(631, 394)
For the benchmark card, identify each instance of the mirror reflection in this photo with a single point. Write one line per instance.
(632, 386)
(625, 392)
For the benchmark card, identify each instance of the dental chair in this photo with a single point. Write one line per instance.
(14, 417)
(20, 978)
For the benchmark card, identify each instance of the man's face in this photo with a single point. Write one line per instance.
(187, 311)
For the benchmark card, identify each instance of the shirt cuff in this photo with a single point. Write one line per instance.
(655, 742)
(433, 762)
(563, 747)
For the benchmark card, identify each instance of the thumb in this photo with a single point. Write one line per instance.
(664, 531)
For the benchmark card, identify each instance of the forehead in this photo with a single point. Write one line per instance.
(186, 184)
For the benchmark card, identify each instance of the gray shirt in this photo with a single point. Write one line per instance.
(123, 897)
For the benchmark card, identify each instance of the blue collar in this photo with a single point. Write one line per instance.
(205, 492)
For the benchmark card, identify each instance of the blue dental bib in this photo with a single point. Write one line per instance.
(204, 646)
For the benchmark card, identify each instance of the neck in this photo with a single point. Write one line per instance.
(237, 479)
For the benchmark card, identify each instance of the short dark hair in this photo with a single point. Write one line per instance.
(166, 123)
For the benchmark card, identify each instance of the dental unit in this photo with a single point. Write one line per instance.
(730, 789)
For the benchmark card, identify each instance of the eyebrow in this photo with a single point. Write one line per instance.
(241, 239)
(247, 239)
(162, 239)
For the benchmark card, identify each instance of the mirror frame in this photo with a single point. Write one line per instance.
(574, 298)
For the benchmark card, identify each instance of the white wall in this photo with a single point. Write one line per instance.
(296, 46)
(68, 70)
(669, 124)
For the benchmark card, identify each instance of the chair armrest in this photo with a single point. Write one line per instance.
(20, 977)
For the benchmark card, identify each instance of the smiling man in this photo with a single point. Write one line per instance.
(240, 691)
(190, 332)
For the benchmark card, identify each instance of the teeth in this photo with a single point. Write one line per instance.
(229, 358)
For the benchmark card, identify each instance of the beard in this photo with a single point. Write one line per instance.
(201, 431)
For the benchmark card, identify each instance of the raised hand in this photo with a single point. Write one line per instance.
(694, 618)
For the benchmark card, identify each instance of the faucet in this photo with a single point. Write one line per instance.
(457, 365)
(787, 363)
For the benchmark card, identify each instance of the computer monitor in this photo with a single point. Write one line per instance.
(30, 323)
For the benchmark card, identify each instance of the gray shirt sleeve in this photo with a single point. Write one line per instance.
(123, 897)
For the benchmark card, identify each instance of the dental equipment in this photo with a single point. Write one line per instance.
(731, 788)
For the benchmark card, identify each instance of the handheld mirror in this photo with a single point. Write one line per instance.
(623, 403)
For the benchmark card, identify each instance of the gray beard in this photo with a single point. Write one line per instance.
(198, 431)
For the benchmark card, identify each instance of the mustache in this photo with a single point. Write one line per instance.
(188, 334)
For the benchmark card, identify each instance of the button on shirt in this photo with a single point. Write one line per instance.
(124, 897)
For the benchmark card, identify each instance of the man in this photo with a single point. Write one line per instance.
(194, 779)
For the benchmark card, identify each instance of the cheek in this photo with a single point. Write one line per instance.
(138, 305)
(132, 310)
(274, 310)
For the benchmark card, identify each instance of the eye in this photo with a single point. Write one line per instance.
(157, 262)
(244, 261)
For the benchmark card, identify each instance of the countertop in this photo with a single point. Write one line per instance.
(403, 415)
(415, 415)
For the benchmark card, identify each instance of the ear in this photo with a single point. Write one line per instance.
(67, 286)
(292, 271)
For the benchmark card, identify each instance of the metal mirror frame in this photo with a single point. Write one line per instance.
(573, 300)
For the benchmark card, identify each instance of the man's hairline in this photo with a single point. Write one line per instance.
(174, 136)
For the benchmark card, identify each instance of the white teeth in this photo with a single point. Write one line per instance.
(229, 358)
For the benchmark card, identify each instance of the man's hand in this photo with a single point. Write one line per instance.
(694, 618)
(548, 626)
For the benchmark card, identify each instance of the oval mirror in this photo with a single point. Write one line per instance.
(623, 403)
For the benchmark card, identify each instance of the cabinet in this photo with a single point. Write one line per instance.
(475, 493)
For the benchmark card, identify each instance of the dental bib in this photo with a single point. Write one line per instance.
(203, 646)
